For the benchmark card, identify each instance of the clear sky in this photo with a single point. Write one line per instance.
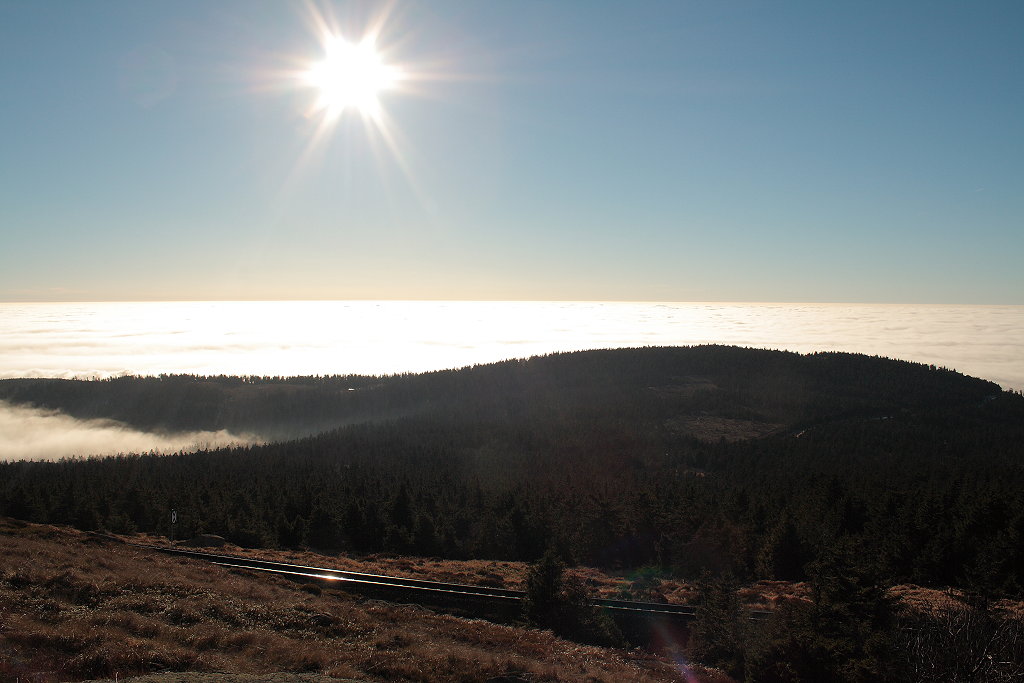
(674, 151)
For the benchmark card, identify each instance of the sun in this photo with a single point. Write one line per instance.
(351, 77)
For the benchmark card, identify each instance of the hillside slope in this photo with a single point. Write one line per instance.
(75, 607)
(690, 459)
(754, 389)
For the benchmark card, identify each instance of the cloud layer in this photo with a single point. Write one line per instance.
(369, 337)
(366, 337)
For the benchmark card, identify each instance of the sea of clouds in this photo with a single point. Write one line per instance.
(88, 340)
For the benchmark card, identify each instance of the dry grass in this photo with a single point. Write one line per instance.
(767, 595)
(927, 599)
(492, 573)
(496, 574)
(934, 601)
(74, 608)
(761, 595)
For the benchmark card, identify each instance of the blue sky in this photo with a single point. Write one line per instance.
(673, 151)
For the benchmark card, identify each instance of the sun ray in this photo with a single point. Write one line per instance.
(348, 83)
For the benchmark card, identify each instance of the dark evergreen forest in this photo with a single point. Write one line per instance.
(734, 462)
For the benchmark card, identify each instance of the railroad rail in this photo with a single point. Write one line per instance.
(423, 590)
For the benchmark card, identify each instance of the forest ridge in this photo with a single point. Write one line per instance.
(768, 386)
(694, 459)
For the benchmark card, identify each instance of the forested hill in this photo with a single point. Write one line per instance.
(760, 463)
(748, 392)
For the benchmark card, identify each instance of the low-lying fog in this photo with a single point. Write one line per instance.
(34, 434)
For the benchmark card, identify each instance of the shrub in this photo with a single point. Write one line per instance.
(559, 601)
(719, 634)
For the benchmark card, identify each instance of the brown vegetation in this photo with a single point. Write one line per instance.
(74, 607)
(504, 574)
(760, 595)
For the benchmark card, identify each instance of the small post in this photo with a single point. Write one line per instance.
(174, 520)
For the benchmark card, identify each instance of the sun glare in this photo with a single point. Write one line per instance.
(348, 83)
(351, 76)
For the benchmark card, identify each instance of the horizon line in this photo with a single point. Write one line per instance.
(518, 301)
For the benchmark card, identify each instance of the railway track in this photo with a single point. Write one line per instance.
(415, 590)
